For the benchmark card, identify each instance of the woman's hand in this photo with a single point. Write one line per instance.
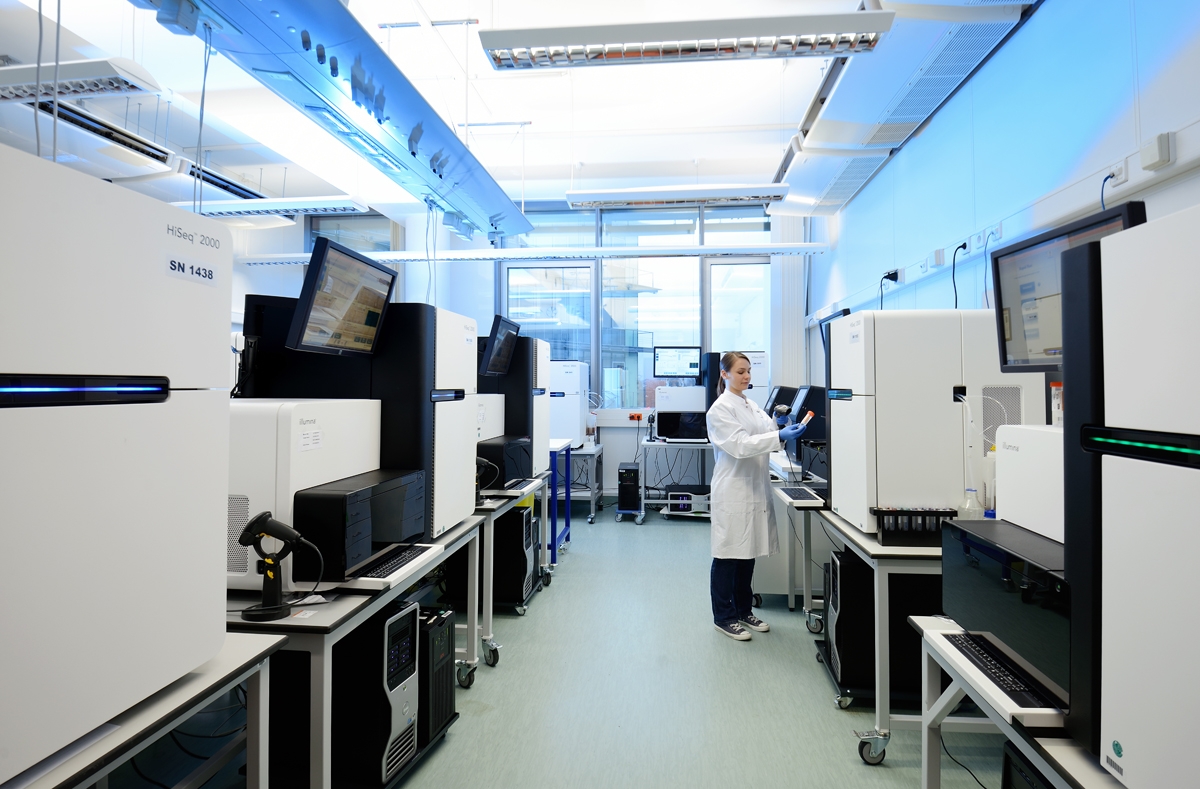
(792, 432)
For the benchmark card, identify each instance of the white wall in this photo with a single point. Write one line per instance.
(1026, 143)
(468, 288)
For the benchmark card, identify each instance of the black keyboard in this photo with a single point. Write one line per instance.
(997, 667)
(800, 494)
(515, 484)
(392, 562)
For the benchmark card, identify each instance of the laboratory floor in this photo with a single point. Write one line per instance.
(615, 677)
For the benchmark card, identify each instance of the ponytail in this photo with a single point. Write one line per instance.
(727, 362)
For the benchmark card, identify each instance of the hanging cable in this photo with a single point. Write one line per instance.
(37, 70)
(198, 207)
(57, 58)
(960, 764)
(954, 273)
(1107, 178)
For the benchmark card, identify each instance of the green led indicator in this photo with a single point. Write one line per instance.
(1143, 445)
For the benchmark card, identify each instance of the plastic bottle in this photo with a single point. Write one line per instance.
(970, 509)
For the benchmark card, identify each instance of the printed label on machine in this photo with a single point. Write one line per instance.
(310, 440)
(191, 270)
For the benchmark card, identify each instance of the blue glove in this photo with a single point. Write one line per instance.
(792, 432)
(782, 420)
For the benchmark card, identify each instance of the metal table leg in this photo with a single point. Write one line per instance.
(553, 509)
(258, 702)
(490, 646)
(545, 528)
(566, 533)
(321, 717)
(934, 709)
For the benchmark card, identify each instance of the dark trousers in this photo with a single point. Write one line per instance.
(730, 585)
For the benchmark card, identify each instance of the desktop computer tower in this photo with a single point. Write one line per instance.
(376, 698)
(514, 562)
(435, 663)
(629, 492)
(850, 622)
(375, 702)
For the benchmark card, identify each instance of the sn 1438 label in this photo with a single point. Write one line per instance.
(191, 271)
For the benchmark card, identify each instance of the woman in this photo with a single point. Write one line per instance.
(743, 520)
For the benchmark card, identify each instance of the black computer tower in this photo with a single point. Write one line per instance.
(435, 664)
(375, 702)
(629, 492)
(514, 562)
(511, 455)
(850, 622)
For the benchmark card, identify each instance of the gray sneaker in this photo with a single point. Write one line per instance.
(755, 624)
(733, 630)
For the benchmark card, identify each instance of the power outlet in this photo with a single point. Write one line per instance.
(1119, 174)
(987, 237)
(924, 266)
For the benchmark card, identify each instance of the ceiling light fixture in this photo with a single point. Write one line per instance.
(677, 195)
(280, 206)
(817, 35)
(77, 79)
(557, 253)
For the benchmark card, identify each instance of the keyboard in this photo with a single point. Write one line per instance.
(516, 484)
(392, 563)
(800, 494)
(997, 667)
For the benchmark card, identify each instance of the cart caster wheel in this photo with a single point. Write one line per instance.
(591, 519)
(546, 579)
(599, 506)
(466, 676)
(618, 518)
(864, 752)
(815, 627)
(1027, 594)
(522, 609)
(639, 520)
(666, 516)
(844, 703)
(756, 601)
(491, 656)
(819, 658)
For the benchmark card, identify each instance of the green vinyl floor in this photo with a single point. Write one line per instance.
(615, 677)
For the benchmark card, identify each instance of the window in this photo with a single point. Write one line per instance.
(362, 232)
(737, 225)
(645, 301)
(553, 304)
(741, 306)
(558, 229)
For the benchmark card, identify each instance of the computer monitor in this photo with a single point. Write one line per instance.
(1027, 280)
(498, 350)
(676, 361)
(811, 398)
(342, 302)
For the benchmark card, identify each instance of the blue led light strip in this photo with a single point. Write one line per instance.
(63, 389)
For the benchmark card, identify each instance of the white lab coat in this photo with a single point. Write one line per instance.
(743, 518)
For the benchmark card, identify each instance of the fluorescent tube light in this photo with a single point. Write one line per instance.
(677, 195)
(271, 206)
(77, 79)
(819, 35)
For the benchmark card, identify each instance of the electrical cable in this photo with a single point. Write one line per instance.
(428, 261)
(1107, 178)
(960, 764)
(953, 271)
(313, 591)
(57, 59)
(37, 101)
(145, 777)
(199, 179)
(184, 748)
(881, 280)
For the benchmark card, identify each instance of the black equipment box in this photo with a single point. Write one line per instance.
(511, 454)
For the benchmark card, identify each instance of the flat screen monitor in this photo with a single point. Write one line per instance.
(780, 395)
(689, 425)
(498, 350)
(811, 398)
(1028, 285)
(342, 302)
(676, 361)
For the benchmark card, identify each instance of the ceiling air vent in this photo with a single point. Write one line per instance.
(852, 177)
